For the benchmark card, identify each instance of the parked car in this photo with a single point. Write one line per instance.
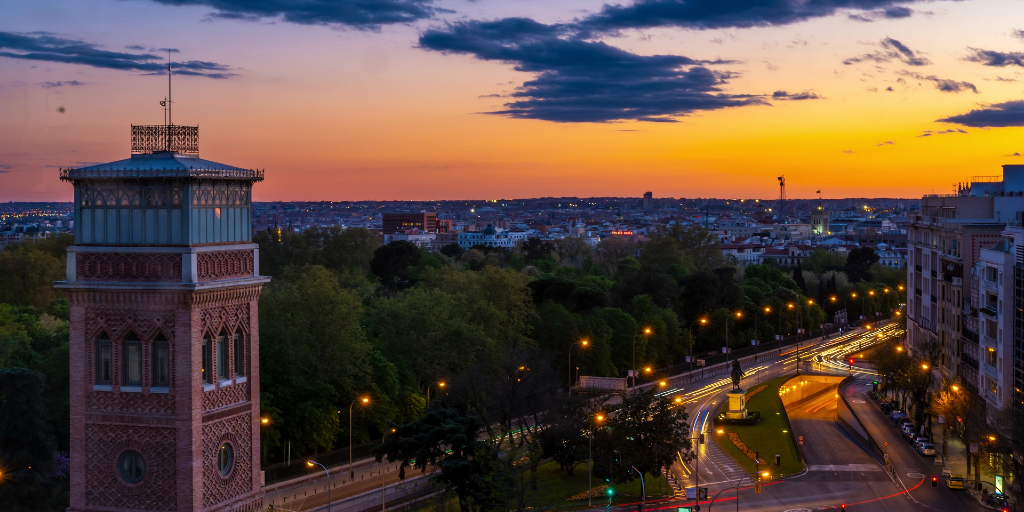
(925, 448)
(896, 416)
(907, 429)
(955, 481)
(911, 438)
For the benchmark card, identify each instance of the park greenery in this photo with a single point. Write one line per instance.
(345, 318)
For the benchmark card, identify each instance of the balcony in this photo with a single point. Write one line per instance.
(988, 310)
(958, 281)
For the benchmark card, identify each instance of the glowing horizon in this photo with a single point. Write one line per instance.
(341, 109)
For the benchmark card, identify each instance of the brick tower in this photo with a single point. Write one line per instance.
(163, 283)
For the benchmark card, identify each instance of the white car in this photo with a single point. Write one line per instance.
(926, 449)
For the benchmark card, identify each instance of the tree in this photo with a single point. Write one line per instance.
(391, 262)
(649, 432)
(694, 247)
(27, 273)
(452, 251)
(564, 437)
(798, 278)
(26, 445)
(612, 249)
(314, 358)
(572, 251)
(448, 440)
(858, 264)
(535, 249)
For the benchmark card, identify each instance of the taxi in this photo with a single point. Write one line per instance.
(955, 481)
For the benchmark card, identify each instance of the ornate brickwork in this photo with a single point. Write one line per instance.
(114, 195)
(226, 319)
(112, 266)
(224, 265)
(225, 396)
(105, 488)
(155, 403)
(237, 431)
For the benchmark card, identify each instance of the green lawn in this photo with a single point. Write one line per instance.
(554, 487)
(772, 436)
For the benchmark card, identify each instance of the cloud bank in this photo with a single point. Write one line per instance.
(587, 81)
(1010, 113)
(358, 14)
(44, 46)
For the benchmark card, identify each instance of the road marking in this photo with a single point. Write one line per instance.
(915, 475)
(843, 467)
(858, 401)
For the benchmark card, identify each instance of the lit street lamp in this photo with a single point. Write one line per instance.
(365, 400)
(311, 463)
(440, 384)
(725, 348)
(583, 344)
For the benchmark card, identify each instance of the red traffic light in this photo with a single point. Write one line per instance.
(851, 362)
(843, 506)
(935, 481)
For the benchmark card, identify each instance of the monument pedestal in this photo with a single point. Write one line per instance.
(737, 405)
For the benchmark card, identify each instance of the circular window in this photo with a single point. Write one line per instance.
(131, 467)
(225, 458)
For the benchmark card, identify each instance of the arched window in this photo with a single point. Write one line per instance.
(131, 467)
(103, 361)
(239, 355)
(161, 358)
(207, 362)
(131, 361)
(222, 357)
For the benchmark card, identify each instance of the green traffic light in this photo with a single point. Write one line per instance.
(611, 491)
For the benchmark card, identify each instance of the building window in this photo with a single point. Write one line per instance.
(161, 356)
(225, 459)
(991, 355)
(131, 367)
(207, 362)
(239, 355)
(103, 368)
(131, 467)
(222, 357)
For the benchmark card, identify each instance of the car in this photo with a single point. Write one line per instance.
(955, 481)
(907, 429)
(911, 438)
(896, 417)
(926, 449)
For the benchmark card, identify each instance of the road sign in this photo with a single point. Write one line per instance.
(701, 362)
(800, 438)
(886, 444)
(801, 443)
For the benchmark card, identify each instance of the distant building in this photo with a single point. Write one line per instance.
(648, 203)
(414, 237)
(400, 222)
(993, 276)
(819, 220)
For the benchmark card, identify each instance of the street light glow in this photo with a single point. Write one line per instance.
(703, 320)
(663, 383)
(954, 387)
(647, 330)
(739, 314)
(366, 399)
(265, 421)
(647, 369)
(767, 309)
(309, 463)
(924, 366)
(441, 384)
(600, 417)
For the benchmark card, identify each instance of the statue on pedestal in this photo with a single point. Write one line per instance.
(737, 373)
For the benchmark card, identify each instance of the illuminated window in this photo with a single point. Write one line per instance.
(225, 459)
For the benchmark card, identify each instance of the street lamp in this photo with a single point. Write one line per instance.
(647, 333)
(703, 321)
(583, 344)
(365, 400)
(440, 384)
(312, 463)
(383, 502)
(739, 314)
(590, 452)
(767, 310)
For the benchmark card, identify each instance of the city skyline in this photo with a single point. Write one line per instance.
(416, 100)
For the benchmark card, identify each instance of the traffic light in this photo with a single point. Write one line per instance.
(843, 507)
(935, 481)
(610, 492)
(778, 460)
(702, 438)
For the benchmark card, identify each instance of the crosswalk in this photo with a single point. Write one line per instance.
(723, 462)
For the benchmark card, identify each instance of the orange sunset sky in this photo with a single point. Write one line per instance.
(348, 100)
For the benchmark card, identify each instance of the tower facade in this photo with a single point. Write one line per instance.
(819, 220)
(163, 283)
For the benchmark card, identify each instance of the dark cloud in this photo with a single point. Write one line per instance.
(64, 83)
(711, 14)
(135, 47)
(1004, 79)
(894, 12)
(587, 81)
(358, 14)
(929, 133)
(891, 50)
(889, 89)
(849, 151)
(1014, 154)
(43, 46)
(994, 58)
(806, 95)
(886, 143)
(1010, 113)
(1018, 33)
(942, 84)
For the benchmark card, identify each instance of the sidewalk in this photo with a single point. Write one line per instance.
(955, 461)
